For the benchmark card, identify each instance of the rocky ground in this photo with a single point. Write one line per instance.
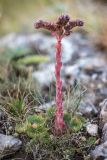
(83, 64)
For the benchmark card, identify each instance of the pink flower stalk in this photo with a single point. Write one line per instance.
(63, 27)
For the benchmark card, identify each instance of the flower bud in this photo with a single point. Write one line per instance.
(63, 26)
(79, 22)
(39, 24)
(63, 20)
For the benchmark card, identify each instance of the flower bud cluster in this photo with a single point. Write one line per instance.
(62, 27)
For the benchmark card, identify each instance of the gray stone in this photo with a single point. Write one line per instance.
(103, 92)
(70, 72)
(92, 129)
(89, 63)
(100, 152)
(8, 145)
(45, 76)
(90, 96)
(87, 109)
(44, 106)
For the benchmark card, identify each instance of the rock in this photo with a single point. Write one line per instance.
(88, 109)
(70, 73)
(8, 145)
(103, 113)
(45, 76)
(90, 63)
(44, 106)
(104, 133)
(100, 152)
(92, 129)
(90, 96)
(103, 92)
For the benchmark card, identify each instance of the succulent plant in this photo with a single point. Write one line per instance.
(61, 28)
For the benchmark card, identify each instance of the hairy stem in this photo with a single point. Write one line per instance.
(59, 122)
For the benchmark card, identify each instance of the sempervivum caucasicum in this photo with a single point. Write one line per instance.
(61, 28)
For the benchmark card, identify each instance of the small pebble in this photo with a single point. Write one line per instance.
(92, 129)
